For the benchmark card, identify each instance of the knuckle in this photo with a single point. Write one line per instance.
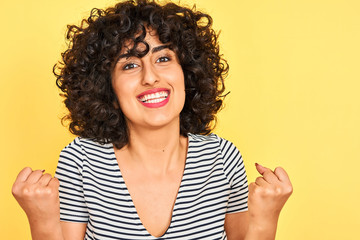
(46, 177)
(15, 190)
(48, 191)
(38, 191)
(270, 192)
(27, 191)
(279, 169)
(289, 190)
(51, 192)
(257, 191)
(57, 182)
(26, 170)
(251, 187)
(278, 191)
(43, 191)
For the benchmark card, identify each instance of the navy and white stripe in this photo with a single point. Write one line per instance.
(93, 191)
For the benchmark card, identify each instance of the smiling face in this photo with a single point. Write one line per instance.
(151, 89)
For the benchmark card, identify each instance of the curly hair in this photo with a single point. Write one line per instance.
(84, 74)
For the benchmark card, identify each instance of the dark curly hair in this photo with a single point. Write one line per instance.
(84, 74)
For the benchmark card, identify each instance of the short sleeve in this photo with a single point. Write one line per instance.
(235, 172)
(69, 172)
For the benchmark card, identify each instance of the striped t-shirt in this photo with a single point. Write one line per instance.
(93, 191)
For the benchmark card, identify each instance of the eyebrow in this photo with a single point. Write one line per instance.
(159, 48)
(153, 50)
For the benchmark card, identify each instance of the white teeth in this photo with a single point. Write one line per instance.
(155, 100)
(154, 97)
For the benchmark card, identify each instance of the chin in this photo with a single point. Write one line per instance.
(162, 121)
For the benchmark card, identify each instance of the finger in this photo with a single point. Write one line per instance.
(35, 176)
(45, 179)
(251, 187)
(54, 183)
(282, 175)
(268, 175)
(23, 174)
(260, 168)
(260, 181)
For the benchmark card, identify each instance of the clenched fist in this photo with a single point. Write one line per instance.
(38, 195)
(267, 196)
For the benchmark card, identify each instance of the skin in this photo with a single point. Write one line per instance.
(38, 195)
(155, 157)
(267, 196)
(153, 162)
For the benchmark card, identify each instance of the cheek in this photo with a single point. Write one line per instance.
(126, 100)
(123, 89)
(176, 76)
(123, 98)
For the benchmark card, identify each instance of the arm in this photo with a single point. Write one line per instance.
(38, 196)
(236, 225)
(267, 196)
(73, 231)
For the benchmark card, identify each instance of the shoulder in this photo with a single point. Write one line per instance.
(80, 148)
(73, 152)
(82, 145)
(213, 140)
(228, 153)
(203, 144)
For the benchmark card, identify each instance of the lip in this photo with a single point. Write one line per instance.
(154, 90)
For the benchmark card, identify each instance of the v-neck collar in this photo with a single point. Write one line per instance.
(177, 199)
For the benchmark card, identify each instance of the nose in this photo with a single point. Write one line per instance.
(150, 75)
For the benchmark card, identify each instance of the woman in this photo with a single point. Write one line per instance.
(143, 83)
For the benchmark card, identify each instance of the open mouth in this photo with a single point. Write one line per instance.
(154, 98)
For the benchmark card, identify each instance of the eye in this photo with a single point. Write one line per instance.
(163, 59)
(130, 66)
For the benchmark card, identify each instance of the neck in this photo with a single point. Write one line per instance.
(157, 150)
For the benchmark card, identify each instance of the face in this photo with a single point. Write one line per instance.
(151, 89)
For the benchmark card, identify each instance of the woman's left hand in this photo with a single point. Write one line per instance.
(267, 196)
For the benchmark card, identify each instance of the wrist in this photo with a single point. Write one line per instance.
(263, 221)
(49, 229)
(261, 230)
(260, 233)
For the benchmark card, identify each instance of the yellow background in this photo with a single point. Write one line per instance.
(294, 101)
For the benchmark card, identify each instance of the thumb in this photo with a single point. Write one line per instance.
(260, 168)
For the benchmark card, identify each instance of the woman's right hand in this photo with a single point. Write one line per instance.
(38, 195)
